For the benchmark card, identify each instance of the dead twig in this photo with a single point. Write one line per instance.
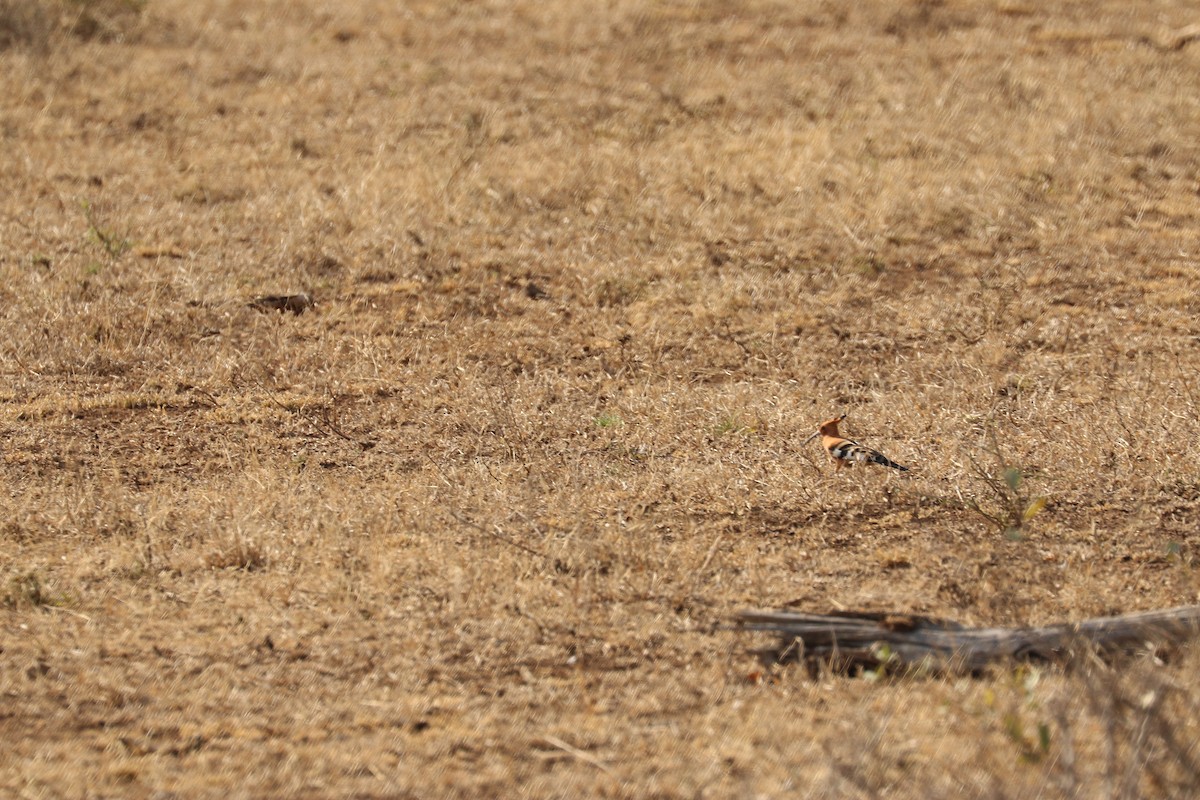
(582, 755)
(294, 303)
(323, 421)
(498, 534)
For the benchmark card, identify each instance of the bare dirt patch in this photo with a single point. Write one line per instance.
(585, 278)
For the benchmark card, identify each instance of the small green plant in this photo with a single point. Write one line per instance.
(1177, 554)
(1032, 745)
(38, 260)
(1008, 504)
(734, 425)
(869, 265)
(1031, 749)
(608, 420)
(28, 590)
(727, 425)
(887, 659)
(113, 243)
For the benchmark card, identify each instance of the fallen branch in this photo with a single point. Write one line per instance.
(852, 640)
(295, 303)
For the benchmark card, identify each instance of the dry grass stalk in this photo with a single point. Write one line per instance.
(588, 276)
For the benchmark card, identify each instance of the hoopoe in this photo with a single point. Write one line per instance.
(843, 452)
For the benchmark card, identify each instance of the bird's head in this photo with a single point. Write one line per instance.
(827, 428)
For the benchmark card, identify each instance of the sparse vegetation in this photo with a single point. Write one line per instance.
(37, 26)
(586, 276)
(111, 242)
(1008, 502)
(25, 589)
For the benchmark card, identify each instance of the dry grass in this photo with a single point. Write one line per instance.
(587, 275)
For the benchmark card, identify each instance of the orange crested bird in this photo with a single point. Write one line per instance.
(843, 452)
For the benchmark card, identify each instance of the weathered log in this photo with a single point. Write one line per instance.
(852, 640)
(295, 303)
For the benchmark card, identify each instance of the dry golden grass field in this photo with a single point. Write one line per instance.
(587, 275)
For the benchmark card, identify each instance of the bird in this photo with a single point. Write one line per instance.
(844, 452)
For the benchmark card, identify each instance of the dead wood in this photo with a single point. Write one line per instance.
(294, 303)
(854, 640)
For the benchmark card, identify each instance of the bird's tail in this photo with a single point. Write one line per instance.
(880, 458)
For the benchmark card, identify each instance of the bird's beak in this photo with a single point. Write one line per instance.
(815, 434)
